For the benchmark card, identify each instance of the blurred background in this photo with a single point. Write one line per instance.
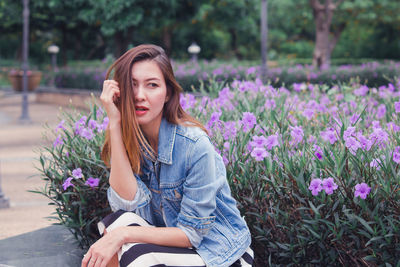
(90, 34)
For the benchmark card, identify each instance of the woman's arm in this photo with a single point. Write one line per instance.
(121, 178)
(105, 248)
(163, 236)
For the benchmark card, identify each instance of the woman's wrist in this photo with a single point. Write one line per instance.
(124, 235)
(115, 124)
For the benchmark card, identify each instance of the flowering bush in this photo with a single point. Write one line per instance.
(193, 74)
(76, 178)
(315, 170)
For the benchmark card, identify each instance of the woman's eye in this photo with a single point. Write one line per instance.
(153, 84)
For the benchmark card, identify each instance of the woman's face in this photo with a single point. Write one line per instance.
(150, 93)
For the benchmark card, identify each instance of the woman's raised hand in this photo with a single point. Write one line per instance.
(108, 97)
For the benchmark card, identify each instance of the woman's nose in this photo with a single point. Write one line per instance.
(139, 93)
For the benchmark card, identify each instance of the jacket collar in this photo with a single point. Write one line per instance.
(166, 140)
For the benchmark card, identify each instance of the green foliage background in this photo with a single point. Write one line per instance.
(89, 29)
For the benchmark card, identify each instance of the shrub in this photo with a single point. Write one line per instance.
(88, 78)
(76, 178)
(315, 171)
(191, 74)
(301, 165)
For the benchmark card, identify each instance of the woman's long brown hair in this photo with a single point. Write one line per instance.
(132, 136)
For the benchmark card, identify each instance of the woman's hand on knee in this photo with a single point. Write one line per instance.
(101, 252)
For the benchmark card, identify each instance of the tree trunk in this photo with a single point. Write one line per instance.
(234, 47)
(122, 40)
(63, 46)
(167, 37)
(324, 41)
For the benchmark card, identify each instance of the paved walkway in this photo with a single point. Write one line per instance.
(20, 224)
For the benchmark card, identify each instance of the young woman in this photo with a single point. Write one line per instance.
(168, 189)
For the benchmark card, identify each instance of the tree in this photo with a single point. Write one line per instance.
(325, 40)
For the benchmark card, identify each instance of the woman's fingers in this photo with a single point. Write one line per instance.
(110, 94)
(86, 259)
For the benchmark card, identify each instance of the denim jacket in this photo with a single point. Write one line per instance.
(187, 187)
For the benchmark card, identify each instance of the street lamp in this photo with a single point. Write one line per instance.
(25, 45)
(194, 49)
(53, 50)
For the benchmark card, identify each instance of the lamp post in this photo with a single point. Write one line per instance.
(25, 115)
(264, 35)
(194, 49)
(53, 50)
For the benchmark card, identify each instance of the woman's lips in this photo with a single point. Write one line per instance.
(140, 110)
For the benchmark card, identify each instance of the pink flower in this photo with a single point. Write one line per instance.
(77, 173)
(362, 190)
(259, 153)
(68, 183)
(329, 185)
(397, 106)
(92, 182)
(315, 186)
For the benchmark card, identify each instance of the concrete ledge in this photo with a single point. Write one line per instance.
(64, 97)
(50, 246)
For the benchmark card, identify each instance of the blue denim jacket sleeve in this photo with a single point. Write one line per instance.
(204, 179)
(142, 198)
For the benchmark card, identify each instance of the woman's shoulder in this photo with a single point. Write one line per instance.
(190, 131)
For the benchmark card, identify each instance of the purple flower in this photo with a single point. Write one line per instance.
(269, 104)
(67, 183)
(397, 106)
(299, 86)
(318, 152)
(379, 136)
(375, 164)
(92, 124)
(352, 144)
(376, 124)
(396, 157)
(297, 134)
(392, 127)
(329, 185)
(259, 153)
(251, 70)
(362, 190)
(362, 91)
(381, 111)
(329, 135)
(354, 118)
(258, 141)
(315, 186)
(77, 173)
(60, 126)
(58, 141)
(99, 112)
(366, 144)
(308, 113)
(92, 182)
(248, 121)
(87, 133)
(311, 139)
(214, 119)
(103, 126)
(272, 141)
(230, 130)
(349, 132)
